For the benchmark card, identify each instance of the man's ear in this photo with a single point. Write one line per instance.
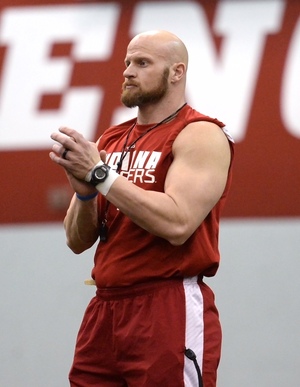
(177, 72)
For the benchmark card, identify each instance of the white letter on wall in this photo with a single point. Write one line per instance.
(290, 97)
(29, 72)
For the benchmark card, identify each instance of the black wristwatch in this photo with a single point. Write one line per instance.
(99, 174)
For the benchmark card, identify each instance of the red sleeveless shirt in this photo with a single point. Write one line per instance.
(132, 255)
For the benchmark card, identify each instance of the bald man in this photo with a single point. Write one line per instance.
(149, 193)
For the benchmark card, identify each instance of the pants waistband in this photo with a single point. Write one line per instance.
(113, 293)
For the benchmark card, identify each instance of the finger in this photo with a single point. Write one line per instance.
(72, 134)
(58, 149)
(103, 155)
(57, 159)
(64, 140)
(61, 162)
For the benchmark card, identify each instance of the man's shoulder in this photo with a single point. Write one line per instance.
(193, 115)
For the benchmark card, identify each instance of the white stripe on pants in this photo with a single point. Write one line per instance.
(194, 338)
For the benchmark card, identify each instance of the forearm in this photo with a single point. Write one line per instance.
(81, 224)
(155, 212)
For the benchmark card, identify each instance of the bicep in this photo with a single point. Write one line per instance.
(198, 175)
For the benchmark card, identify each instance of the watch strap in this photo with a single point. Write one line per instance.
(104, 187)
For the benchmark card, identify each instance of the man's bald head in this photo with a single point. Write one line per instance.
(162, 43)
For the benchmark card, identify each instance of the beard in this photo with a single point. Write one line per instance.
(139, 98)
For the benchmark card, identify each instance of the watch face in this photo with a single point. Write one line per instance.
(100, 173)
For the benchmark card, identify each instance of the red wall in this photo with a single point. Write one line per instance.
(267, 166)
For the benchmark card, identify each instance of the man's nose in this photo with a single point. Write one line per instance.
(128, 72)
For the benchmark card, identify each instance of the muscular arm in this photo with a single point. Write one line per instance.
(194, 184)
(81, 225)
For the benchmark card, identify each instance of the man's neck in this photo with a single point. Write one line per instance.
(150, 114)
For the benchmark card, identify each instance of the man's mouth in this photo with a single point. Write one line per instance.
(129, 85)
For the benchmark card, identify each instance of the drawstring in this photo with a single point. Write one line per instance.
(192, 356)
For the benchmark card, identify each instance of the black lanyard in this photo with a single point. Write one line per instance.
(126, 148)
